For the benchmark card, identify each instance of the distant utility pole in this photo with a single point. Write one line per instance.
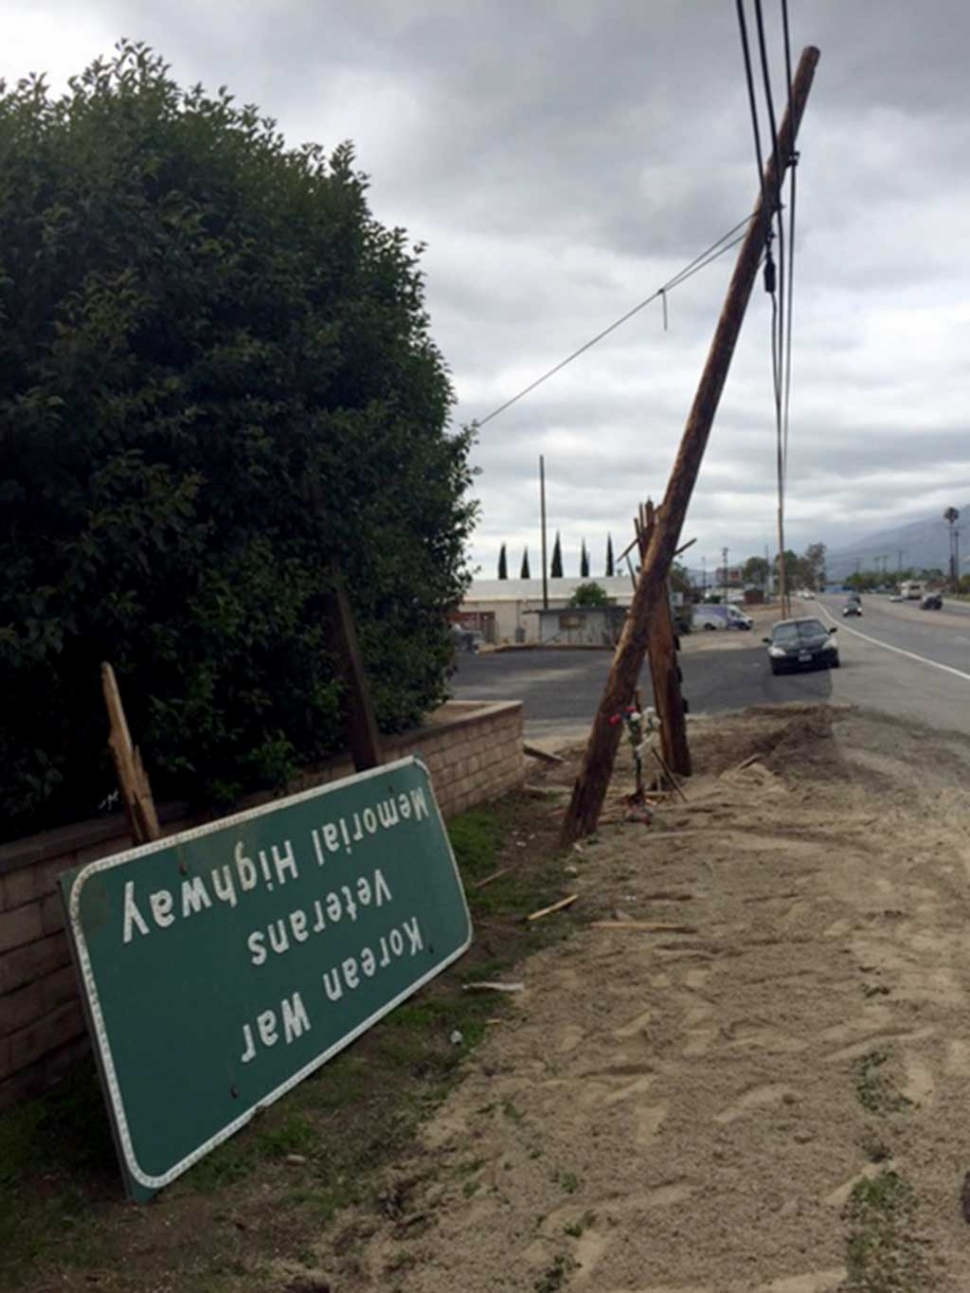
(703, 575)
(596, 767)
(899, 560)
(542, 509)
(724, 558)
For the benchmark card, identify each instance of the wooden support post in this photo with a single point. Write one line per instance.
(360, 725)
(597, 766)
(662, 654)
(136, 792)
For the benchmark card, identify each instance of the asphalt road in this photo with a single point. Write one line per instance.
(896, 658)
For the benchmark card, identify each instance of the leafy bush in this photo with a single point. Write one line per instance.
(591, 594)
(216, 381)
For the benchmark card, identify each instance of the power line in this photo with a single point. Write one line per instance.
(707, 257)
(778, 302)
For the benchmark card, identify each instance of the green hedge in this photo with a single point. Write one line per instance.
(216, 381)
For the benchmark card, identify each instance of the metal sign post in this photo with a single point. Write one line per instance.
(221, 966)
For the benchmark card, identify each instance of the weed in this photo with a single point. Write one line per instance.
(555, 1277)
(576, 1228)
(511, 1112)
(567, 1181)
(885, 1254)
(875, 1088)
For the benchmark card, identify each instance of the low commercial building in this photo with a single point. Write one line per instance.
(506, 610)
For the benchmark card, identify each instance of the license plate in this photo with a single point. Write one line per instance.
(804, 657)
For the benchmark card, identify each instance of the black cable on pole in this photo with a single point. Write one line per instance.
(792, 161)
(766, 206)
(707, 257)
(779, 172)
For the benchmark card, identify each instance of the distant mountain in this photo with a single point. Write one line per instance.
(923, 544)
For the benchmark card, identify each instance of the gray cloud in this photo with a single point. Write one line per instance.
(562, 160)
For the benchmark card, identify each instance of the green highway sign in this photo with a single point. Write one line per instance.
(221, 966)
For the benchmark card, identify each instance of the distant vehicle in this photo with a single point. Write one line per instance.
(852, 608)
(802, 644)
(911, 589)
(897, 597)
(931, 602)
(466, 639)
(721, 617)
(854, 597)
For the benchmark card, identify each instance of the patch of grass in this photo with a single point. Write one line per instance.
(885, 1253)
(874, 1085)
(567, 1181)
(43, 1204)
(511, 1111)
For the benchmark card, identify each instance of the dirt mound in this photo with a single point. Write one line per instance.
(748, 1072)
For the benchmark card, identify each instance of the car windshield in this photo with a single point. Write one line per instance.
(797, 630)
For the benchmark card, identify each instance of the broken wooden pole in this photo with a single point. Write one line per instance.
(136, 792)
(664, 673)
(360, 724)
(596, 769)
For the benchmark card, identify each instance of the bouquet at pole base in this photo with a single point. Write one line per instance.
(640, 726)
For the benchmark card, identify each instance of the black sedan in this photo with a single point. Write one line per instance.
(931, 602)
(852, 608)
(802, 644)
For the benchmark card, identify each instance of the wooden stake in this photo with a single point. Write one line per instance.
(597, 766)
(136, 792)
(360, 725)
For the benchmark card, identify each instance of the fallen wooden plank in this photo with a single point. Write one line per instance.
(649, 926)
(494, 987)
(534, 752)
(503, 870)
(556, 906)
(745, 763)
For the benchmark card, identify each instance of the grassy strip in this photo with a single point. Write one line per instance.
(272, 1187)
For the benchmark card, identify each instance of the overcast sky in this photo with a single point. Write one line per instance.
(562, 160)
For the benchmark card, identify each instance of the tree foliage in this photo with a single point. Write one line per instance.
(590, 594)
(583, 562)
(503, 563)
(217, 381)
(756, 571)
(609, 556)
(524, 569)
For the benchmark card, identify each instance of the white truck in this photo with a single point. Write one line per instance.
(911, 589)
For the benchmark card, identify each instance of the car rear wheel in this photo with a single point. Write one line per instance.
(834, 664)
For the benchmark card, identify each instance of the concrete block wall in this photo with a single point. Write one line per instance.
(473, 752)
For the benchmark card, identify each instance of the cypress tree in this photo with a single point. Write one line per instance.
(556, 568)
(524, 572)
(503, 567)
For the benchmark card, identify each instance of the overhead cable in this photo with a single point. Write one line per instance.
(707, 257)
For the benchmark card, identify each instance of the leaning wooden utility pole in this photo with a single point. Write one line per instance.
(597, 766)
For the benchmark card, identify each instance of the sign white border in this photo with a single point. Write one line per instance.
(96, 1018)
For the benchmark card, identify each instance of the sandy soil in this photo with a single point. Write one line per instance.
(688, 1108)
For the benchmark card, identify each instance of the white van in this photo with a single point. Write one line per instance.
(721, 617)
